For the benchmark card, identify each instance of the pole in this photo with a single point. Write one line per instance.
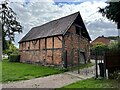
(96, 65)
(118, 27)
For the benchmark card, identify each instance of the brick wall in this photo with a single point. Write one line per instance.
(72, 46)
(101, 39)
(36, 51)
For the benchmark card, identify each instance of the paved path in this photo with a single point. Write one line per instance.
(53, 81)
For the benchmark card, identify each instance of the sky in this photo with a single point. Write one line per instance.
(32, 13)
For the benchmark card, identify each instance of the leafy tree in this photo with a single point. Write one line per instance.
(99, 48)
(9, 24)
(112, 12)
(113, 46)
(11, 48)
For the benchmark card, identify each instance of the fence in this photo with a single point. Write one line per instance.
(112, 61)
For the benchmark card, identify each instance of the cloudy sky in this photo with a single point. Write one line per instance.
(33, 13)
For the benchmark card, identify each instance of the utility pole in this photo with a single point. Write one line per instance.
(118, 27)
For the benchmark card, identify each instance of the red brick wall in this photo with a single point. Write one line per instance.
(72, 42)
(101, 39)
(34, 54)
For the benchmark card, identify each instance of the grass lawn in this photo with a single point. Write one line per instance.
(12, 71)
(92, 83)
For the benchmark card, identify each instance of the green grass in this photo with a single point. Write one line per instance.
(12, 71)
(92, 83)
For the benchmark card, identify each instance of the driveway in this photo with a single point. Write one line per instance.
(53, 81)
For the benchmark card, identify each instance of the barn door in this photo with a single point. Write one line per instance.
(82, 57)
(65, 62)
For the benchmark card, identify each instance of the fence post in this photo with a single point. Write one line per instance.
(96, 65)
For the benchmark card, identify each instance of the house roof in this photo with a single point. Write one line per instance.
(101, 39)
(52, 28)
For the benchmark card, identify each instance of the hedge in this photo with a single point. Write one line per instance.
(14, 58)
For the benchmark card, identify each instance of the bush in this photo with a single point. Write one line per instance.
(115, 75)
(14, 58)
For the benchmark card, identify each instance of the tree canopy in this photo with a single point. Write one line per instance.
(10, 25)
(112, 12)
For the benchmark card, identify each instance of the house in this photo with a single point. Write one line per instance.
(61, 42)
(101, 39)
(104, 40)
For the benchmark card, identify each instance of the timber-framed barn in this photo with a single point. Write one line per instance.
(61, 42)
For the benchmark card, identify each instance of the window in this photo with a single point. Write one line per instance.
(77, 30)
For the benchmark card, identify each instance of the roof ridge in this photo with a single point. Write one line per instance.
(56, 19)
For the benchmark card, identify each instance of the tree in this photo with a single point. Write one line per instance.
(11, 48)
(99, 48)
(9, 24)
(112, 12)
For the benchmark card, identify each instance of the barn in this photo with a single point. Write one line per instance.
(63, 42)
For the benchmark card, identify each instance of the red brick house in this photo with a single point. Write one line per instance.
(61, 42)
(105, 40)
(101, 39)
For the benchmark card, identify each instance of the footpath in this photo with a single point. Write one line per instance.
(54, 81)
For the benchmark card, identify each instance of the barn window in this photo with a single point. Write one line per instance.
(77, 30)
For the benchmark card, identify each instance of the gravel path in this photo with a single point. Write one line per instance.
(53, 81)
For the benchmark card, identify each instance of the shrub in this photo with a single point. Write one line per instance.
(115, 75)
(14, 58)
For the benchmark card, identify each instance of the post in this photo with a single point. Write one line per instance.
(45, 50)
(104, 64)
(63, 47)
(118, 27)
(52, 50)
(96, 65)
(78, 62)
(39, 50)
(66, 63)
(78, 53)
(72, 54)
(0, 41)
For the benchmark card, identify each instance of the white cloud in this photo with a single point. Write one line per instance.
(34, 14)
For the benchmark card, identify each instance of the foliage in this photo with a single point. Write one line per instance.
(92, 83)
(14, 58)
(113, 46)
(99, 48)
(11, 49)
(9, 24)
(14, 71)
(112, 11)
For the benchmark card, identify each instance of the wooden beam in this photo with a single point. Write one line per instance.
(52, 50)
(29, 45)
(45, 49)
(42, 49)
(39, 50)
(39, 44)
(59, 38)
(96, 67)
(34, 42)
(72, 54)
(79, 56)
(63, 48)
(25, 45)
